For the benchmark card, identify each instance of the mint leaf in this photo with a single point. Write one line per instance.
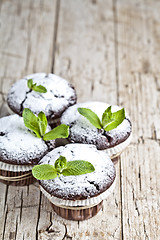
(62, 131)
(60, 163)
(30, 83)
(36, 88)
(44, 172)
(31, 121)
(78, 167)
(42, 123)
(117, 119)
(39, 88)
(107, 117)
(61, 166)
(91, 116)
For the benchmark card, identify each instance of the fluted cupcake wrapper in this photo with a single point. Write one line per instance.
(85, 203)
(15, 168)
(116, 151)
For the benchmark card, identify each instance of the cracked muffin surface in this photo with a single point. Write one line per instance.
(59, 96)
(82, 131)
(18, 145)
(82, 186)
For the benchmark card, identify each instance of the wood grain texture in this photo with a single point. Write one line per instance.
(138, 56)
(27, 35)
(109, 50)
(85, 54)
(27, 42)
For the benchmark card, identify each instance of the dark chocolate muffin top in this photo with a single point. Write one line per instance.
(59, 96)
(18, 145)
(82, 131)
(82, 186)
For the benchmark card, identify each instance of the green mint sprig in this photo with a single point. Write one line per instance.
(39, 125)
(62, 167)
(36, 88)
(109, 120)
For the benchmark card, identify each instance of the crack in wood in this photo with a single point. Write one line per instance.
(128, 222)
(6, 194)
(38, 217)
(16, 228)
(135, 200)
(5, 221)
(50, 222)
(55, 229)
(136, 207)
(114, 233)
(27, 190)
(21, 207)
(145, 232)
(139, 177)
(154, 134)
(92, 86)
(65, 231)
(26, 206)
(141, 139)
(116, 202)
(157, 81)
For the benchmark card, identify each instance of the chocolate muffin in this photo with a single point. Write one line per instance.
(20, 150)
(82, 131)
(59, 96)
(79, 197)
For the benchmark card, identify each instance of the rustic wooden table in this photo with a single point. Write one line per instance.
(110, 51)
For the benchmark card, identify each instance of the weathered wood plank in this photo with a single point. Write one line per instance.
(85, 48)
(3, 195)
(3, 209)
(85, 56)
(21, 212)
(29, 215)
(27, 36)
(110, 52)
(138, 58)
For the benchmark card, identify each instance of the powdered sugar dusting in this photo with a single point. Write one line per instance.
(82, 186)
(17, 144)
(60, 95)
(81, 130)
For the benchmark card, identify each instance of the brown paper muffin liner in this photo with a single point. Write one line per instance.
(16, 175)
(16, 178)
(77, 214)
(115, 152)
(78, 210)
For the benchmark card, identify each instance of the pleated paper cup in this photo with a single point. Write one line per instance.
(16, 175)
(78, 210)
(115, 152)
